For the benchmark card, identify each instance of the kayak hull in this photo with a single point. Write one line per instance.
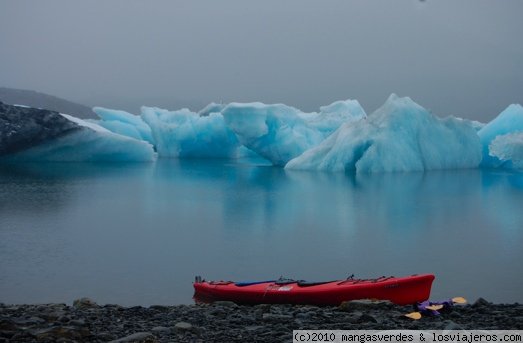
(399, 290)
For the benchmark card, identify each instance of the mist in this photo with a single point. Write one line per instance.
(462, 58)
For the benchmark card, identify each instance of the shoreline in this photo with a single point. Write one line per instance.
(85, 321)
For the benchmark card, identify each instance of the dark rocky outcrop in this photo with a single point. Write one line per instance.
(23, 127)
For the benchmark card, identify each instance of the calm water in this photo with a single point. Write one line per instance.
(139, 233)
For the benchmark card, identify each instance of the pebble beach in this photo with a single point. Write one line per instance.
(86, 321)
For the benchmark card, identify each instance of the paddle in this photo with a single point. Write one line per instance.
(459, 300)
(413, 315)
(432, 308)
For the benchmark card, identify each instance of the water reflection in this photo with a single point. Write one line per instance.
(138, 233)
(33, 188)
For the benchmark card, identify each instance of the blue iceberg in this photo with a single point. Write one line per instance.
(124, 123)
(508, 121)
(477, 125)
(399, 136)
(280, 132)
(275, 132)
(185, 134)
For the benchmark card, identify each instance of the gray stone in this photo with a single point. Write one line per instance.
(364, 305)
(105, 336)
(481, 302)
(13, 307)
(160, 329)
(64, 319)
(159, 308)
(139, 337)
(183, 326)
(254, 328)
(327, 314)
(263, 307)
(304, 315)
(455, 314)
(450, 325)
(5, 337)
(309, 308)
(7, 325)
(62, 332)
(29, 321)
(367, 318)
(225, 304)
(52, 316)
(114, 307)
(272, 317)
(83, 303)
(354, 317)
(218, 312)
(77, 322)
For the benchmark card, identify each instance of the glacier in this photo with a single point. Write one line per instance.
(124, 123)
(279, 132)
(508, 121)
(399, 136)
(187, 134)
(508, 149)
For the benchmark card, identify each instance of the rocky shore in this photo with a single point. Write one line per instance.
(86, 321)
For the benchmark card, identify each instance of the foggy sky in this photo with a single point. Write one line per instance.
(453, 57)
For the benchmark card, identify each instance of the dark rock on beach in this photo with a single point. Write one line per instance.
(87, 321)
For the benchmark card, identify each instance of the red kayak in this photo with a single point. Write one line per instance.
(399, 290)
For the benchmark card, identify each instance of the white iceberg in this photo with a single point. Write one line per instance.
(508, 149)
(399, 136)
(332, 116)
(508, 121)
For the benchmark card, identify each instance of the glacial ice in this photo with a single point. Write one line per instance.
(279, 132)
(186, 134)
(477, 125)
(508, 149)
(332, 116)
(91, 143)
(124, 123)
(275, 132)
(508, 121)
(399, 136)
